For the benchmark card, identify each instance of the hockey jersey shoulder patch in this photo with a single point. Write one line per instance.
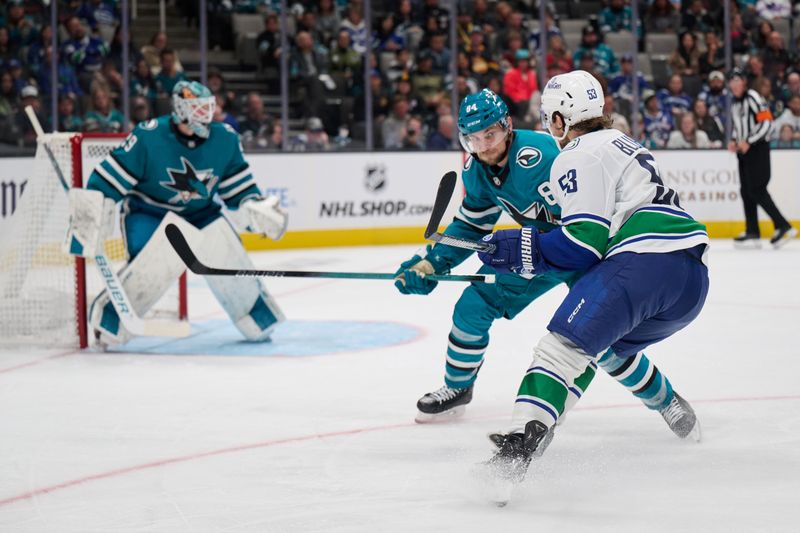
(528, 157)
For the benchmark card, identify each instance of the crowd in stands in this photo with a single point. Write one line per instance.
(498, 43)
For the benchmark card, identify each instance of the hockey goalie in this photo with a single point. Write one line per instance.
(179, 169)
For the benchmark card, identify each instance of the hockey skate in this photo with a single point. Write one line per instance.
(681, 419)
(443, 404)
(747, 241)
(782, 236)
(508, 467)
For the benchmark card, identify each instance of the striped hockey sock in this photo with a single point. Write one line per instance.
(640, 376)
(464, 358)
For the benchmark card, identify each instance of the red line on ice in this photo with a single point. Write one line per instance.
(266, 444)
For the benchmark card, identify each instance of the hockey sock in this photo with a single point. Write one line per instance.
(579, 387)
(464, 358)
(640, 376)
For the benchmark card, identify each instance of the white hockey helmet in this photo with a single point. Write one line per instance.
(193, 105)
(576, 96)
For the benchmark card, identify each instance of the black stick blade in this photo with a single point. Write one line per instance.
(446, 187)
(178, 242)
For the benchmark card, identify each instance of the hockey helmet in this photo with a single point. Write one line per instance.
(576, 96)
(193, 105)
(478, 113)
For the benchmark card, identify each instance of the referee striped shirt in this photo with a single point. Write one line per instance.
(752, 118)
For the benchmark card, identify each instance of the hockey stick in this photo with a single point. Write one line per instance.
(184, 251)
(446, 187)
(119, 299)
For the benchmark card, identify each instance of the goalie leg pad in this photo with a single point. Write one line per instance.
(246, 301)
(557, 364)
(145, 279)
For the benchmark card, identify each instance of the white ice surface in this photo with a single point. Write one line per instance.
(123, 442)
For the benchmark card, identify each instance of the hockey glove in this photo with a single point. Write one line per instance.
(266, 217)
(91, 219)
(516, 251)
(410, 277)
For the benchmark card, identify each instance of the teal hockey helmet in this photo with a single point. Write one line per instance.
(479, 112)
(193, 105)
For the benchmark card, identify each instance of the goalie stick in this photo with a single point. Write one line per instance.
(119, 299)
(446, 187)
(184, 251)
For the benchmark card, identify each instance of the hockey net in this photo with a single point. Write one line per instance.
(45, 292)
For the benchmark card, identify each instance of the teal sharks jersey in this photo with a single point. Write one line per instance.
(521, 188)
(158, 170)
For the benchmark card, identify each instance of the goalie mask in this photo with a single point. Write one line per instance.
(482, 122)
(193, 105)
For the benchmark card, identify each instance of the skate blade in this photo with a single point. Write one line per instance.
(785, 240)
(748, 245)
(696, 434)
(441, 418)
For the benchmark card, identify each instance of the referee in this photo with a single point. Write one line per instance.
(752, 120)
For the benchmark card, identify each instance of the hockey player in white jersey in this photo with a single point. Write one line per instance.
(179, 169)
(642, 252)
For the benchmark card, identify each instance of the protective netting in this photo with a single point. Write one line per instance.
(39, 290)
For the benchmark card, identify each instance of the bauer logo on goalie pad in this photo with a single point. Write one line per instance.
(375, 177)
(116, 294)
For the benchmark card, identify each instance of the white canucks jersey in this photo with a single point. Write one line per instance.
(613, 200)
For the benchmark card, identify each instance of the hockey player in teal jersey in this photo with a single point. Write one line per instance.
(508, 170)
(173, 169)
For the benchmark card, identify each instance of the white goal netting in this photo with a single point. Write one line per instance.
(44, 291)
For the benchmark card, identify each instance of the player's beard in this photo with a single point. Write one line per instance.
(494, 156)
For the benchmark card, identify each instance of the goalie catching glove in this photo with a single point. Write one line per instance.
(91, 219)
(266, 217)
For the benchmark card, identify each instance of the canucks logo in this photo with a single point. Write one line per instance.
(528, 157)
(189, 183)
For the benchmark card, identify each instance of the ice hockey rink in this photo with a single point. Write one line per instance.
(315, 431)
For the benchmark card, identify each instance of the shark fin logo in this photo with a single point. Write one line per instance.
(528, 157)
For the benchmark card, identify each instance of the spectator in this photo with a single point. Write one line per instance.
(662, 17)
(791, 87)
(84, 52)
(559, 60)
(710, 124)
(763, 86)
(313, 139)
(394, 127)
(774, 9)
(67, 80)
(481, 63)
(103, 116)
(427, 84)
(354, 25)
(8, 95)
(790, 117)
(30, 97)
(386, 38)
(22, 30)
(268, 43)
(754, 69)
(761, 33)
(786, 138)
(100, 16)
(442, 138)
(220, 115)
(404, 87)
(716, 95)
(740, 39)
(169, 75)
(673, 100)
(519, 84)
(142, 82)
(515, 28)
(256, 124)
(551, 29)
(276, 137)
(306, 64)
(415, 137)
(36, 51)
(713, 58)
(216, 84)
(440, 54)
(406, 23)
(68, 119)
(15, 69)
(109, 78)
(328, 20)
(605, 62)
(308, 22)
(616, 16)
(344, 59)
(618, 121)
(152, 53)
(657, 123)
(621, 86)
(140, 111)
(7, 51)
(775, 57)
(688, 136)
(685, 60)
(697, 19)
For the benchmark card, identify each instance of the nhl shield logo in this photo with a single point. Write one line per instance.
(375, 177)
(528, 157)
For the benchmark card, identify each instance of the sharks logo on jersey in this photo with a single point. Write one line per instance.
(189, 183)
(528, 157)
(535, 211)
